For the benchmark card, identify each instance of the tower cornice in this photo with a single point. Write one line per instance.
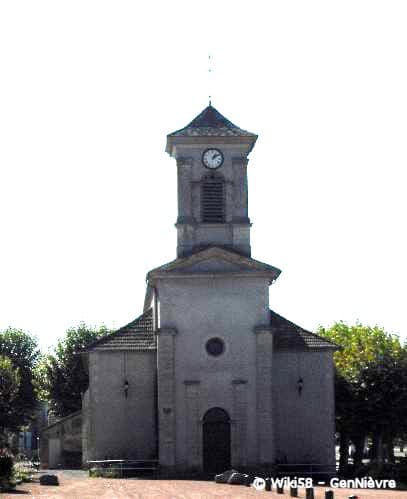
(246, 144)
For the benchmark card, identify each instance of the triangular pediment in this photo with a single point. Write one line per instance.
(214, 264)
(214, 260)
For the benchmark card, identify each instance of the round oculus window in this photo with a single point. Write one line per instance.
(215, 347)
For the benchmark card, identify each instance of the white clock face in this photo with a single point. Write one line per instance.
(212, 158)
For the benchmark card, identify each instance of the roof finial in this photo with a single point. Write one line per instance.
(209, 78)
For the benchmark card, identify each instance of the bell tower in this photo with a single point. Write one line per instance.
(211, 155)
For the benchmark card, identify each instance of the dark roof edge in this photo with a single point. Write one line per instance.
(61, 420)
(107, 337)
(329, 344)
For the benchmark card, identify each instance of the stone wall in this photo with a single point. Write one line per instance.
(235, 231)
(304, 424)
(119, 425)
(195, 310)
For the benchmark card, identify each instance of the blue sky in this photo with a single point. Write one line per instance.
(88, 92)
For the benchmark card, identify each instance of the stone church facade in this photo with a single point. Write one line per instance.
(208, 376)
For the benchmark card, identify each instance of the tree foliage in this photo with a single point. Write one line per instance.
(360, 345)
(62, 374)
(21, 350)
(364, 350)
(9, 387)
(383, 389)
(371, 384)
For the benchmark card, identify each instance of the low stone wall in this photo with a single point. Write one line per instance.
(61, 443)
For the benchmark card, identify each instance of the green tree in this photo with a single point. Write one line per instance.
(360, 345)
(383, 389)
(22, 351)
(357, 411)
(62, 375)
(9, 387)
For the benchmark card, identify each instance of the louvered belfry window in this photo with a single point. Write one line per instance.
(213, 199)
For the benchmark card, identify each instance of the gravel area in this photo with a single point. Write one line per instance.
(77, 485)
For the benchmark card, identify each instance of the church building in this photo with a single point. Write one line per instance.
(208, 377)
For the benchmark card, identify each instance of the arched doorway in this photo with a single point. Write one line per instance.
(216, 440)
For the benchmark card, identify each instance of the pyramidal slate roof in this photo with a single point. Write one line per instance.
(289, 336)
(137, 335)
(213, 124)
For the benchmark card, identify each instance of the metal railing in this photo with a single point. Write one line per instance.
(123, 467)
(308, 469)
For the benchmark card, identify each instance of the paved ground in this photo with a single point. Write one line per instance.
(77, 485)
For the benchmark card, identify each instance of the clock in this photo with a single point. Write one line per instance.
(212, 158)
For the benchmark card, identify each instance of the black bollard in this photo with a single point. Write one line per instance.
(309, 493)
(280, 489)
(268, 484)
(293, 491)
(329, 494)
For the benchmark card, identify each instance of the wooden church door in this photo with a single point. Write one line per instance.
(216, 440)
